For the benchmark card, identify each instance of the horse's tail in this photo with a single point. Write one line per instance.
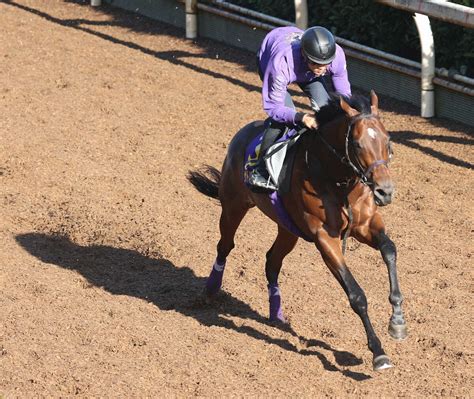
(208, 186)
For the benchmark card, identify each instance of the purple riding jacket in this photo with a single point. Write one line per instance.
(282, 63)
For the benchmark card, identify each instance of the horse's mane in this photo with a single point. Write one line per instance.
(333, 109)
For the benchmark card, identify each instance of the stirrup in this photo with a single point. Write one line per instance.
(257, 180)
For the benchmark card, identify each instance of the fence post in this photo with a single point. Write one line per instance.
(301, 11)
(427, 65)
(191, 19)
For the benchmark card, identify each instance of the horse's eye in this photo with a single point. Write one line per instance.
(390, 149)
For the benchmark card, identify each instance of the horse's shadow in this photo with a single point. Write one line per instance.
(159, 281)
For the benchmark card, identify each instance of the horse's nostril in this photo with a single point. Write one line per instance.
(383, 196)
(384, 190)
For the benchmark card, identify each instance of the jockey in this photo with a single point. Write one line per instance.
(289, 55)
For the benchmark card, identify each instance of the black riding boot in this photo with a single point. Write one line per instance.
(260, 176)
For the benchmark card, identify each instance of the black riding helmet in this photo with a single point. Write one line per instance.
(318, 45)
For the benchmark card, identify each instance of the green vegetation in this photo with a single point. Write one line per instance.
(381, 27)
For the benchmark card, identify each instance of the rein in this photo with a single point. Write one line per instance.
(288, 143)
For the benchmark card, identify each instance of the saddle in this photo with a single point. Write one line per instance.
(279, 159)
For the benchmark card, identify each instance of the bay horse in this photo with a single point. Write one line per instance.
(339, 179)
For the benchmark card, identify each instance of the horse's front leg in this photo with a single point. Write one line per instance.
(330, 248)
(397, 327)
(374, 235)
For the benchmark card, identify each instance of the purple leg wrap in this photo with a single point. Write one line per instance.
(276, 313)
(214, 281)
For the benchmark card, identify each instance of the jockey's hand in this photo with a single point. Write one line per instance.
(310, 121)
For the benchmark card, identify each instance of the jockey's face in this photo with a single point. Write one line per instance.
(317, 69)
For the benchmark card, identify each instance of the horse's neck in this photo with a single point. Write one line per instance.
(335, 131)
(316, 172)
(333, 136)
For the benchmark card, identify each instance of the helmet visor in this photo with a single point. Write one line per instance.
(319, 61)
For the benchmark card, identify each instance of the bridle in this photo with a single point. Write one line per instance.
(364, 175)
(355, 164)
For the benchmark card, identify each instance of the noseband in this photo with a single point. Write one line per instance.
(356, 166)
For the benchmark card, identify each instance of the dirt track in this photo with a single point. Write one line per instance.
(105, 246)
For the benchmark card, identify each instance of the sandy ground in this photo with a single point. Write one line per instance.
(105, 246)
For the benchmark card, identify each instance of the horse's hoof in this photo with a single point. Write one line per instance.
(382, 362)
(208, 297)
(280, 319)
(398, 331)
(276, 313)
(211, 290)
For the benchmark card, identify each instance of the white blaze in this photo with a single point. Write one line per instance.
(372, 133)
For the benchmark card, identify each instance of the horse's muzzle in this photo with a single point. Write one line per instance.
(383, 193)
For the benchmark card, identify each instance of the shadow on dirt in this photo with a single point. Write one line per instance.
(408, 138)
(127, 272)
(140, 24)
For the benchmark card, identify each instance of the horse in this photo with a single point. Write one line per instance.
(339, 178)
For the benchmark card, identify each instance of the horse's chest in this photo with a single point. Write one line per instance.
(337, 217)
(326, 212)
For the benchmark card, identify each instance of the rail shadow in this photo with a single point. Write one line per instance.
(127, 272)
(140, 24)
(211, 50)
(408, 138)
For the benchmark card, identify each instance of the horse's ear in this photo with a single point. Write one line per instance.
(374, 103)
(347, 108)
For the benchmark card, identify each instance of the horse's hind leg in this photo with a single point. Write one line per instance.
(283, 245)
(233, 211)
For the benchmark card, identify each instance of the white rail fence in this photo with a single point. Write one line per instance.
(425, 71)
(442, 10)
